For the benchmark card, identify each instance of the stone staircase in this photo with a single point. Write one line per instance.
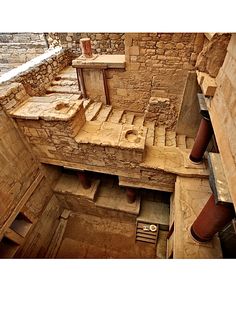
(156, 136)
(18, 48)
(66, 82)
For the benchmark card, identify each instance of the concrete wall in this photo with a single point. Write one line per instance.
(223, 115)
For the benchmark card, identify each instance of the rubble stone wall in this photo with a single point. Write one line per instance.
(38, 76)
(17, 48)
(102, 43)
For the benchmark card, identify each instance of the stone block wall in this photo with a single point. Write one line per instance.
(55, 141)
(22, 38)
(19, 173)
(18, 168)
(223, 115)
(102, 43)
(17, 48)
(157, 65)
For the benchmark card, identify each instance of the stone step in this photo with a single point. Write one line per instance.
(63, 89)
(67, 76)
(170, 138)
(87, 103)
(160, 136)
(190, 142)
(104, 113)
(127, 118)
(64, 83)
(150, 133)
(138, 120)
(145, 240)
(181, 141)
(93, 111)
(115, 116)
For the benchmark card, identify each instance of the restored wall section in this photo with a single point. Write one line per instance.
(24, 186)
(223, 115)
(157, 65)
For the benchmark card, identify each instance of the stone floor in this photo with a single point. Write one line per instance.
(88, 236)
(101, 227)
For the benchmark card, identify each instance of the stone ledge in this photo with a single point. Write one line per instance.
(173, 160)
(101, 61)
(49, 108)
(70, 184)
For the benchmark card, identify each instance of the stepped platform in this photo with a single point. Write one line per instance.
(70, 184)
(97, 199)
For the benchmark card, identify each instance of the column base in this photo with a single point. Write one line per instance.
(197, 238)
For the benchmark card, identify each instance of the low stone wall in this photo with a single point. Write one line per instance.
(37, 74)
(102, 43)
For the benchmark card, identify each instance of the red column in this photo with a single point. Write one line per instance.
(211, 220)
(86, 48)
(202, 140)
(84, 180)
(131, 195)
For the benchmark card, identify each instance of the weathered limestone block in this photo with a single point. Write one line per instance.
(41, 235)
(212, 56)
(18, 168)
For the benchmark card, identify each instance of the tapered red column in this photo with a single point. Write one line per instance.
(84, 180)
(211, 220)
(131, 195)
(86, 48)
(202, 140)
